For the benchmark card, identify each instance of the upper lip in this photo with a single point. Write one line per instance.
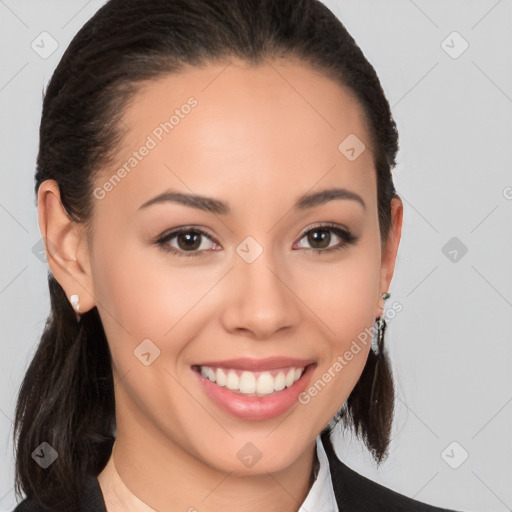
(249, 364)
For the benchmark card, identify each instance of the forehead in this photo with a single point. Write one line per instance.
(279, 124)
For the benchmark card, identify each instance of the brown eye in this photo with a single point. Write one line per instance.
(319, 238)
(189, 242)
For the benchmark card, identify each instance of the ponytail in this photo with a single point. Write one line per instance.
(369, 407)
(66, 400)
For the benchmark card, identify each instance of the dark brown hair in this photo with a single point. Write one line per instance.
(67, 398)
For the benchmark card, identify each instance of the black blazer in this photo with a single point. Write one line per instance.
(354, 493)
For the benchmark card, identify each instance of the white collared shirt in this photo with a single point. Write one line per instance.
(321, 496)
(319, 499)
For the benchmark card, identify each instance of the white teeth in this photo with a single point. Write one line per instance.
(252, 383)
(290, 377)
(265, 384)
(232, 381)
(247, 382)
(220, 377)
(280, 381)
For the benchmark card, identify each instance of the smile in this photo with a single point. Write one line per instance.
(252, 395)
(253, 383)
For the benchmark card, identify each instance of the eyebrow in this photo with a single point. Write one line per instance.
(209, 204)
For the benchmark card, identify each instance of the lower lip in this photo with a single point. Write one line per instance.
(255, 407)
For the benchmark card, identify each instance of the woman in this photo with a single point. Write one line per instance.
(214, 189)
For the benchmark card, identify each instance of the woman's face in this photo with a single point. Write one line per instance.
(257, 141)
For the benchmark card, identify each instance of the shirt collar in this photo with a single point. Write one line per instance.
(321, 495)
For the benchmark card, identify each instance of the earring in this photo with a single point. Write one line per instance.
(76, 305)
(381, 328)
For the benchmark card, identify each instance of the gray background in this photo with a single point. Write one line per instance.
(450, 345)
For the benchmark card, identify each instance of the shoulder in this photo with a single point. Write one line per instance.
(27, 506)
(354, 492)
(91, 500)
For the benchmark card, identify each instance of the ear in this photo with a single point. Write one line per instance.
(67, 251)
(390, 249)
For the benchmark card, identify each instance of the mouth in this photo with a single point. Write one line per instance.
(249, 383)
(254, 395)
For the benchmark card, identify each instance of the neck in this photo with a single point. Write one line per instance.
(165, 477)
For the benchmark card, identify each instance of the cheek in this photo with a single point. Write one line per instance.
(140, 301)
(343, 293)
(140, 297)
(343, 296)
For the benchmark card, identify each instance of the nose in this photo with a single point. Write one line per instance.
(260, 299)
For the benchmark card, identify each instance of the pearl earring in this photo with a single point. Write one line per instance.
(76, 304)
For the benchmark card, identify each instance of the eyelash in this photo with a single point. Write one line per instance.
(344, 234)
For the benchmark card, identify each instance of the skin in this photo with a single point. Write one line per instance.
(250, 135)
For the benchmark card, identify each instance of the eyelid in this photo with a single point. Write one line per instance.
(162, 240)
(327, 225)
(341, 231)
